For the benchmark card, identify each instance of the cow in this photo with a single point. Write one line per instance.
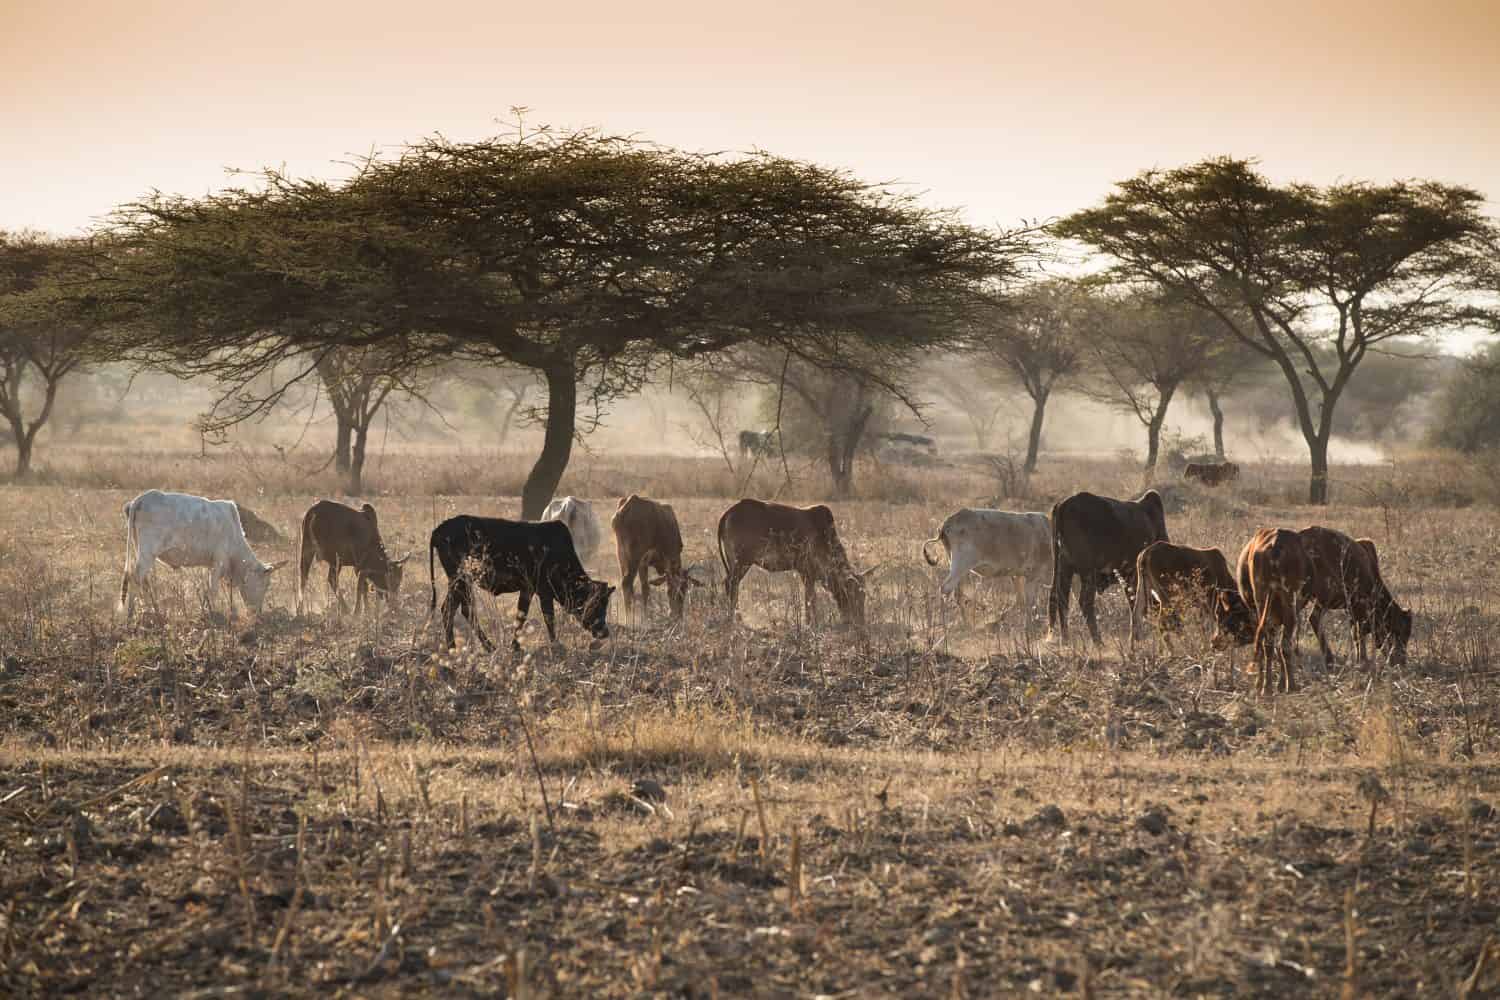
(1175, 573)
(994, 543)
(1211, 473)
(1098, 538)
(1273, 568)
(758, 443)
(778, 538)
(911, 441)
(647, 538)
(529, 557)
(341, 536)
(579, 516)
(185, 530)
(1345, 575)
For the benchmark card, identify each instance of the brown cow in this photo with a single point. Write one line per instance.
(342, 536)
(778, 538)
(1211, 473)
(1346, 576)
(1172, 573)
(647, 537)
(1273, 566)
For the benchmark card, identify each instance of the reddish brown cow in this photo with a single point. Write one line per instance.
(342, 536)
(1272, 569)
(1173, 573)
(647, 538)
(1345, 575)
(778, 538)
(1211, 473)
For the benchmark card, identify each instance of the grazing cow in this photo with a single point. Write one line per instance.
(911, 441)
(1345, 575)
(184, 530)
(532, 557)
(579, 516)
(994, 543)
(342, 536)
(1098, 538)
(778, 538)
(1211, 473)
(1173, 573)
(759, 443)
(1273, 568)
(647, 537)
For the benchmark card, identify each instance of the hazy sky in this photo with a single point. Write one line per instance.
(1010, 111)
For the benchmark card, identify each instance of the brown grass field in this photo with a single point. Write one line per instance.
(332, 805)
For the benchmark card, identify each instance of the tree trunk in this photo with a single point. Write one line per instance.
(1034, 439)
(557, 442)
(1218, 414)
(341, 457)
(24, 442)
(357, 459)
(1317, 490)
(842, 447)
(1154, 426)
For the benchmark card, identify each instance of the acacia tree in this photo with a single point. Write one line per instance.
(40, 343)
(591, 260)
(1141, 351)
(1287, 268)
(1036, 341)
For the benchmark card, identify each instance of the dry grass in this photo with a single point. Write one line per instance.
(324, 803)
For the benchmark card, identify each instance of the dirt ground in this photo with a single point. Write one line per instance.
(935, 806)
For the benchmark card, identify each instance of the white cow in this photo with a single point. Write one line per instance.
(994, 543)
(184, 530)
(578, 515)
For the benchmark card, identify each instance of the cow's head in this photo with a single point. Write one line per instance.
(386, 576)
(848, 588)
(678, 581)
(255, 580)
(1393, 628)
(591, 607)
(1234, 622)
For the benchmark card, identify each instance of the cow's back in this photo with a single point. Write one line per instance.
(1096, 532)
(185, 525)
(1018, 542)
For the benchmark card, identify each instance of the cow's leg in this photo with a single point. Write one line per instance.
(361, 585)
(807, 598)
(963, 562)
(1289, 646)
(627, 588)
(523, 608)
(732, 580)
(645, 593)
(1087, 594)
(549, 614)
(450, 600)
(1057, 601)
(333, 584)
(1024, 605)
(1316, 621)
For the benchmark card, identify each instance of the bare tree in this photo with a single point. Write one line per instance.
(1036, 342)
(955, 381)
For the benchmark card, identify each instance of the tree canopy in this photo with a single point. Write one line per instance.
(593, 260)
(1286, 268)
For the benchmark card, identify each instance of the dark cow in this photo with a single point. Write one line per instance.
(1174, 574)
(778, 538)
(1211, 473)
(341, 536)
(648, 538)
(1273, 568)
(1345, 575)
(1098, 538)
(911, 441)
(759, 443)
(532, 557)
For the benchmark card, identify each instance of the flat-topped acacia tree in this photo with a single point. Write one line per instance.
(1287, 268)
(593, 260)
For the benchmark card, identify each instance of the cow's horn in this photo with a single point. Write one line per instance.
(867, 572)
(277, 565)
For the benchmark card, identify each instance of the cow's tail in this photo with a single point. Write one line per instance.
(723, 555)
(941, 537)
(1142, 596)
(132, 552)
(431, 574)
(302, 561)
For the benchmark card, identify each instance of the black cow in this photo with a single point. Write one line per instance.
(1098, 538)
(532, 557)
(761, 443)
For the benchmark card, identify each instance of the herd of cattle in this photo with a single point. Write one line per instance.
(1096, 539)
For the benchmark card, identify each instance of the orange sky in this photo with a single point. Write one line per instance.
(1009, 111)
